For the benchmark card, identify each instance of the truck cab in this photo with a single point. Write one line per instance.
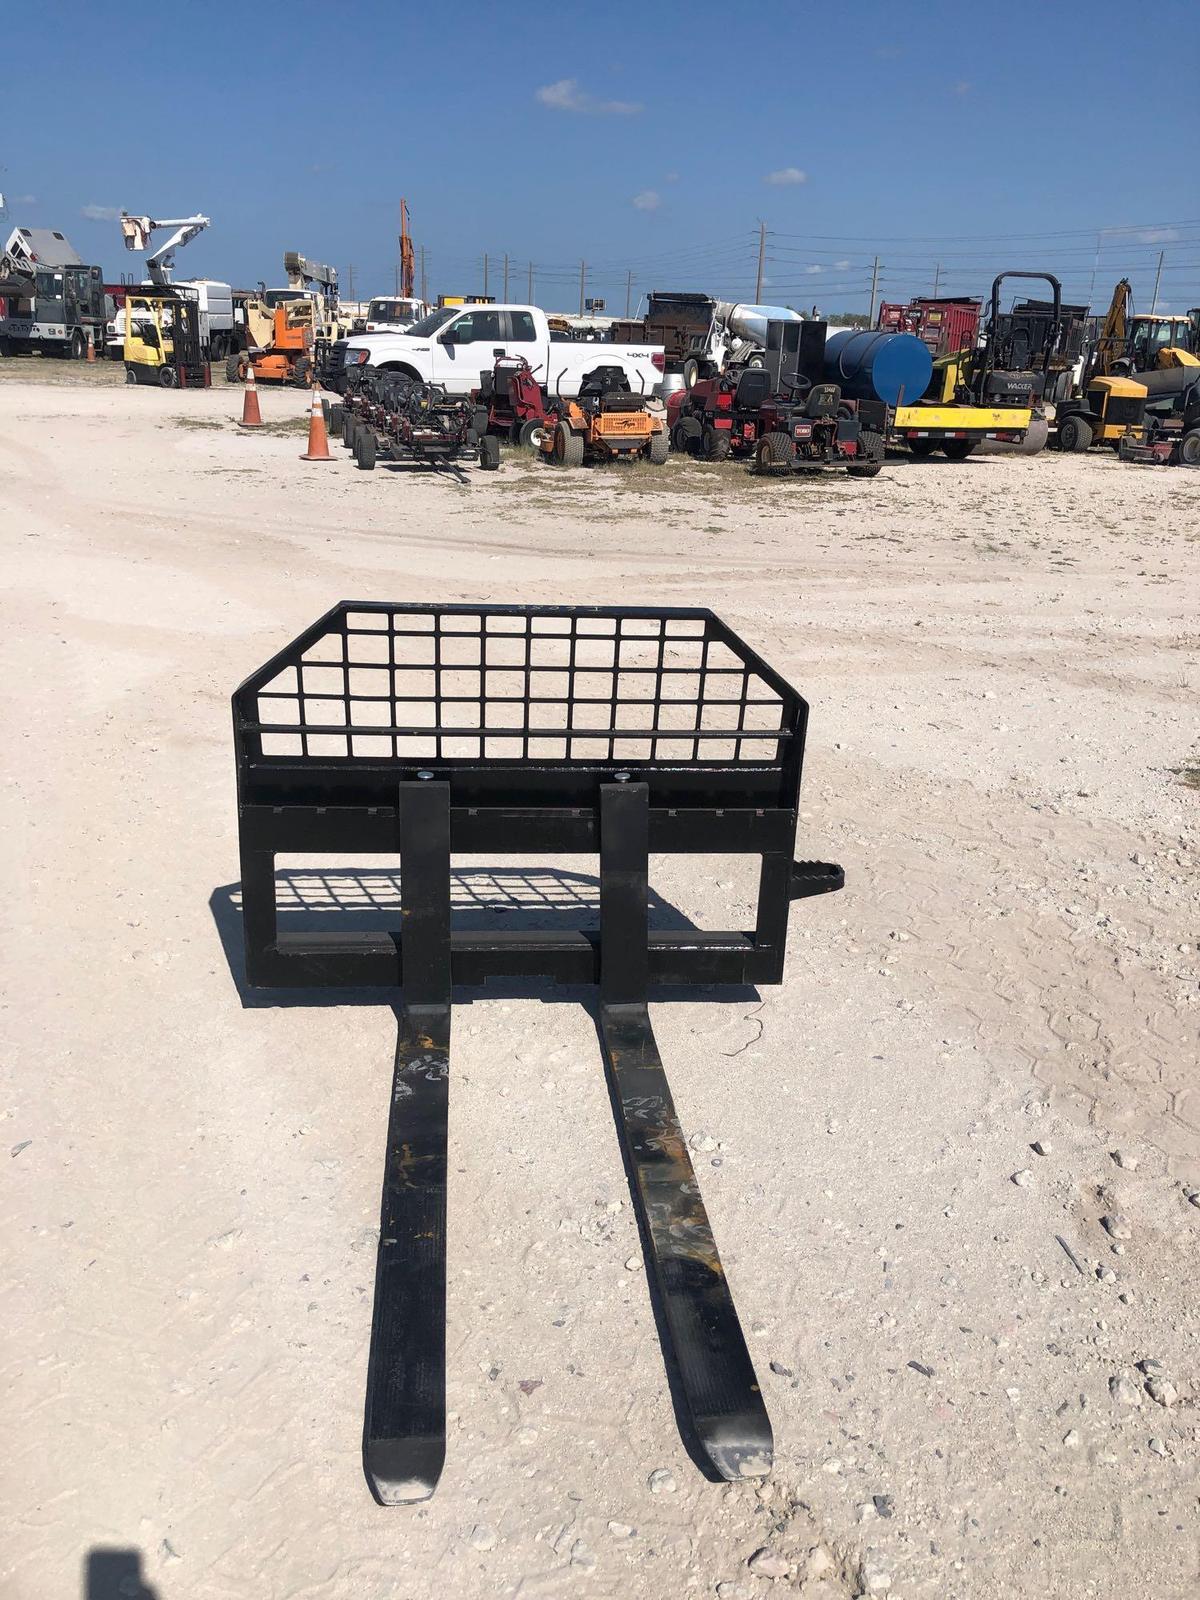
(391, 315)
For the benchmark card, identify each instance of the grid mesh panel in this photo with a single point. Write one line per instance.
(520, 686)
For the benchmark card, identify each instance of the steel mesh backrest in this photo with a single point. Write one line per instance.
(513, 685)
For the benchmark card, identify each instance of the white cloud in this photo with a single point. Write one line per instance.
(1159, 235)
(566, 95)
(786, 175)
(841, 265)
(672, 177)
(814, 268)
(96, 213)
(23, 199)
(648, 200)
(960, 88)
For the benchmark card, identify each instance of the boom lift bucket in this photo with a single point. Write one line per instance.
(552, 730)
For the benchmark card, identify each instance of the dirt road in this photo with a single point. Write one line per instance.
(1004, 752)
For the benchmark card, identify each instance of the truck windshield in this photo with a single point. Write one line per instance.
(390, 311)
(434, 321)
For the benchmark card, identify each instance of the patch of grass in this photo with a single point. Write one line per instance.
(287, 428)
(1189, 776)
(194, 422)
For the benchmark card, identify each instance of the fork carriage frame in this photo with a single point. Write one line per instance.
(427, 730)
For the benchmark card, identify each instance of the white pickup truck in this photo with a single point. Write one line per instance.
(454, 345)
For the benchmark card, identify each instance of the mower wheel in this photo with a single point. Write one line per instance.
(921, 449)
(775, 452)
(568, 447)
(660, 448)
(715, 444)
(335, 415)
(959, 449)
(870, 458)
(235, 371)
(168, 378)
(1074, 433)
(690, 372)
(479, 421)
(489, 452)
(529, 434)
(1189, 448)
(364, 449)
(348, 429)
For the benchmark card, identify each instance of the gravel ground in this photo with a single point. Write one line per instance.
(983, 1047)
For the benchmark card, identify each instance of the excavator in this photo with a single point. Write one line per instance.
(1140, 368)
(283, 327)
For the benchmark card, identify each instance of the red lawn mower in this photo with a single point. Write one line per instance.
(509, 403)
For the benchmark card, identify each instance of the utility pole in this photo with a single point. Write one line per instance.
(1157, 281)
(874, 287)
(506, 277)
(628, 291)
(397, 290)
(762, 256)
(424, 286)
(485, 267)
(529, 296)
(937, 278)
(582, 282)
(350, 282)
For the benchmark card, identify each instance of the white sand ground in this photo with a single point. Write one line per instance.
(1001, 658)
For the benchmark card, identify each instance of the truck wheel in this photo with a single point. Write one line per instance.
(715, 443)
(301, 371)
(921, 449)
(959, 449)
(1189, 448)
(235, 372)
(168, 378)
(690, 372)
(1074, 433)
(660, 448)
(335, 416)
(78, 346)
(364, 449)
(529, 434)
(568, 447)
(489, 452)
(870, 456)
(775, 453)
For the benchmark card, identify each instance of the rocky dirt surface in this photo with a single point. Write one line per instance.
(951, 1163)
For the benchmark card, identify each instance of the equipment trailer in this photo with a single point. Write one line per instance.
(364, 735)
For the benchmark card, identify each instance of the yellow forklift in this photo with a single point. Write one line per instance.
(162, 339)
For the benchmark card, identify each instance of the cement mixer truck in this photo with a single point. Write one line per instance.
(702, 336)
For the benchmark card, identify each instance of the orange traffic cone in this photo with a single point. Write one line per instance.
(318, 438)
(251, 415)
(91, 348)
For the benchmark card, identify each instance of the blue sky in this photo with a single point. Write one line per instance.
(643, 138)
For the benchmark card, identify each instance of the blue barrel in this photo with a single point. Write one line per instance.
(872, 365)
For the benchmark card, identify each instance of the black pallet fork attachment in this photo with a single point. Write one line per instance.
(549, 730)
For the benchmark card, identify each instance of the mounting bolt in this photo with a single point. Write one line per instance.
(424, 776)
(621, 777)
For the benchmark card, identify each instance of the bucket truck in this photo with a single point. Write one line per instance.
(215, 299)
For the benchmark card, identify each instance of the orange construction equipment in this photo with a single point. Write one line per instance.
(288, 356)
(251, 415)
(318, 438)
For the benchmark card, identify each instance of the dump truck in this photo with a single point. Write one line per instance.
(51, 301)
